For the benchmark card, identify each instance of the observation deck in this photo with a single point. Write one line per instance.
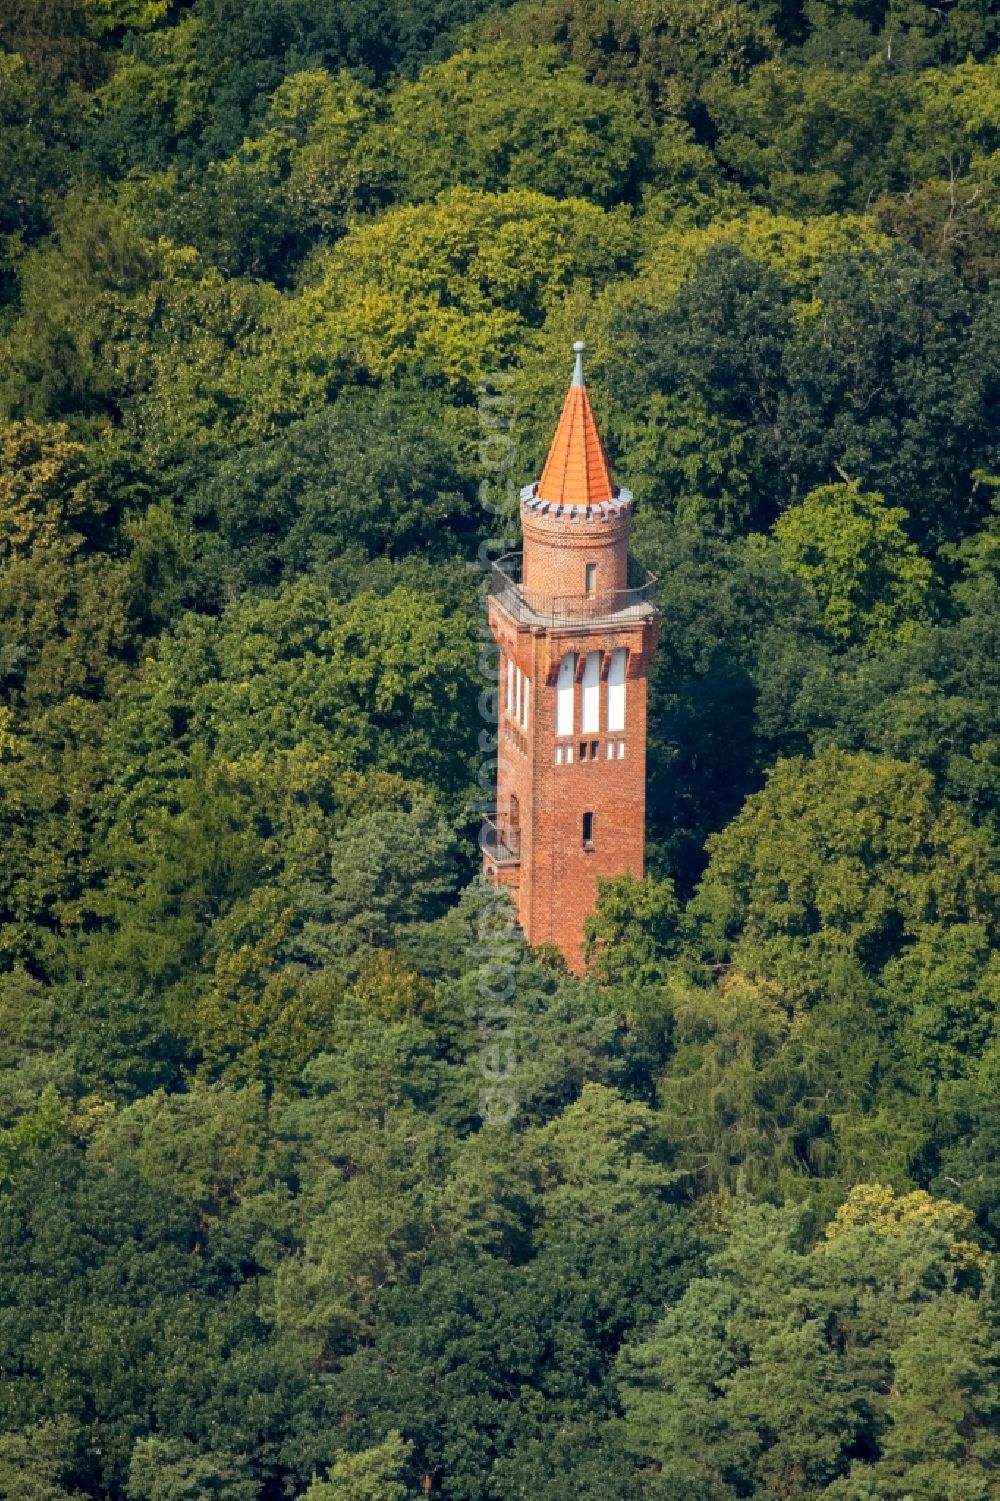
(501, 846)
(635, 604)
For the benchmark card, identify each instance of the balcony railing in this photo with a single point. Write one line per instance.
(636, 602)
(500, 843)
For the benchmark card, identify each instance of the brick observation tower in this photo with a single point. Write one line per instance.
(576, 623)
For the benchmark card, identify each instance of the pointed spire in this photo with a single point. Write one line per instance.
(576, 471)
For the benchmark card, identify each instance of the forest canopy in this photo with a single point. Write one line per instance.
(259, 260)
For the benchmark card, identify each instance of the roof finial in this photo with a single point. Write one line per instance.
(578, 349)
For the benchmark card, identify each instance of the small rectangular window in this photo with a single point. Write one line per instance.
(594, 748)
(621, 750)
(517, 694)
(559, 755)
(588, 831)
(569, 755)
(591, 577)
(583, 750)
(510, 684)
(524, 703)
(611, 750)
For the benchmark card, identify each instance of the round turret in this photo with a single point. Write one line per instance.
(576, 520)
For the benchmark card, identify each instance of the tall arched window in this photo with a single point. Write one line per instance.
(592, 693)
(616, 690)
(565, 688)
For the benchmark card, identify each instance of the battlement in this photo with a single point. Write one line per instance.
(618, 508)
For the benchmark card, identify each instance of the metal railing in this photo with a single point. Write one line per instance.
(500, 843)
(531, 608)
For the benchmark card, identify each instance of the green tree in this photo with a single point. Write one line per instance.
(297, 180)
(851, 987)
(739, 634)
(47, 493)
(127, 1309)
(820, 356)
(377, 682)
(157, 99)
(203, 1148)
(34, 1462)
(662, 52)
(772, 1374)
(53, 39)
(389, 868)
(633, 931)
(133, 15)
(852, 550)
(807, 141)
(38, 126)
(505, 117)
(375, 1475)
(174, 1470)
(905, 33)
(699, 366)
(952, 220)
(366, 1147)
(867, 373)
(483, 1425)
(383, 471)
(847, 855)
(61, 353)
(63, 609)
(447, 288)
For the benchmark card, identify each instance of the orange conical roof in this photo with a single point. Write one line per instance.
(576, 471)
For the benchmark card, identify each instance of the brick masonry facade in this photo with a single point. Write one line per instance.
(556, 881)
(558, 548)
(575, 644)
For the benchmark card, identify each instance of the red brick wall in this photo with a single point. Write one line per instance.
(557, 883)
(557, 550)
